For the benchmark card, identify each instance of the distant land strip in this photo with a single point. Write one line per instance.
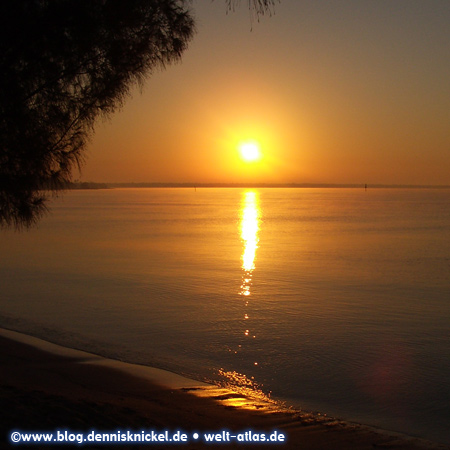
(95, 185)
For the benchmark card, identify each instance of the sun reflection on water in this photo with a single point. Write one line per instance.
(249, 235)
(250, 214)
(250, 393)
(249, 228)
(240, 390)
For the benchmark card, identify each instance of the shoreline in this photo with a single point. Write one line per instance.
(89, 185)
(46, 386)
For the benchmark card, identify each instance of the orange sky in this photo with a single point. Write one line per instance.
(334, 91)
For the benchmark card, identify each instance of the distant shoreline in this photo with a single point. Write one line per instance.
(95, 185)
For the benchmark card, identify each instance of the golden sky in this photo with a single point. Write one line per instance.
(332, 92)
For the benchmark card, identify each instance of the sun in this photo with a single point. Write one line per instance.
(250, 151)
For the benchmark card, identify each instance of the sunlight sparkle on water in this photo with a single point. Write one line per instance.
(251, 393)
(249, 231)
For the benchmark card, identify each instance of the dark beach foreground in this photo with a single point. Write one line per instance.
(45, 387)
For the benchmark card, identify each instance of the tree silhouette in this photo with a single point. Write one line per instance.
(62, 64)
(257, 7)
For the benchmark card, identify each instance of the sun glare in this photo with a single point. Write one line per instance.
(249, 151)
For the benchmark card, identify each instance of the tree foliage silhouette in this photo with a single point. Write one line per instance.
(62, 64)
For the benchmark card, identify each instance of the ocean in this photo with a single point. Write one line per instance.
(331, 300)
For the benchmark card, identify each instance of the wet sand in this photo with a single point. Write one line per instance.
(44, 387)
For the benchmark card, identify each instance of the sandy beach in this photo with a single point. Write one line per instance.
(45, 387)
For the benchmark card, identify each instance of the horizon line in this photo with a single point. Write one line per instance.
(108, 185)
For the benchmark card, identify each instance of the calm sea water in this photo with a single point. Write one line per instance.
(336, 300)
